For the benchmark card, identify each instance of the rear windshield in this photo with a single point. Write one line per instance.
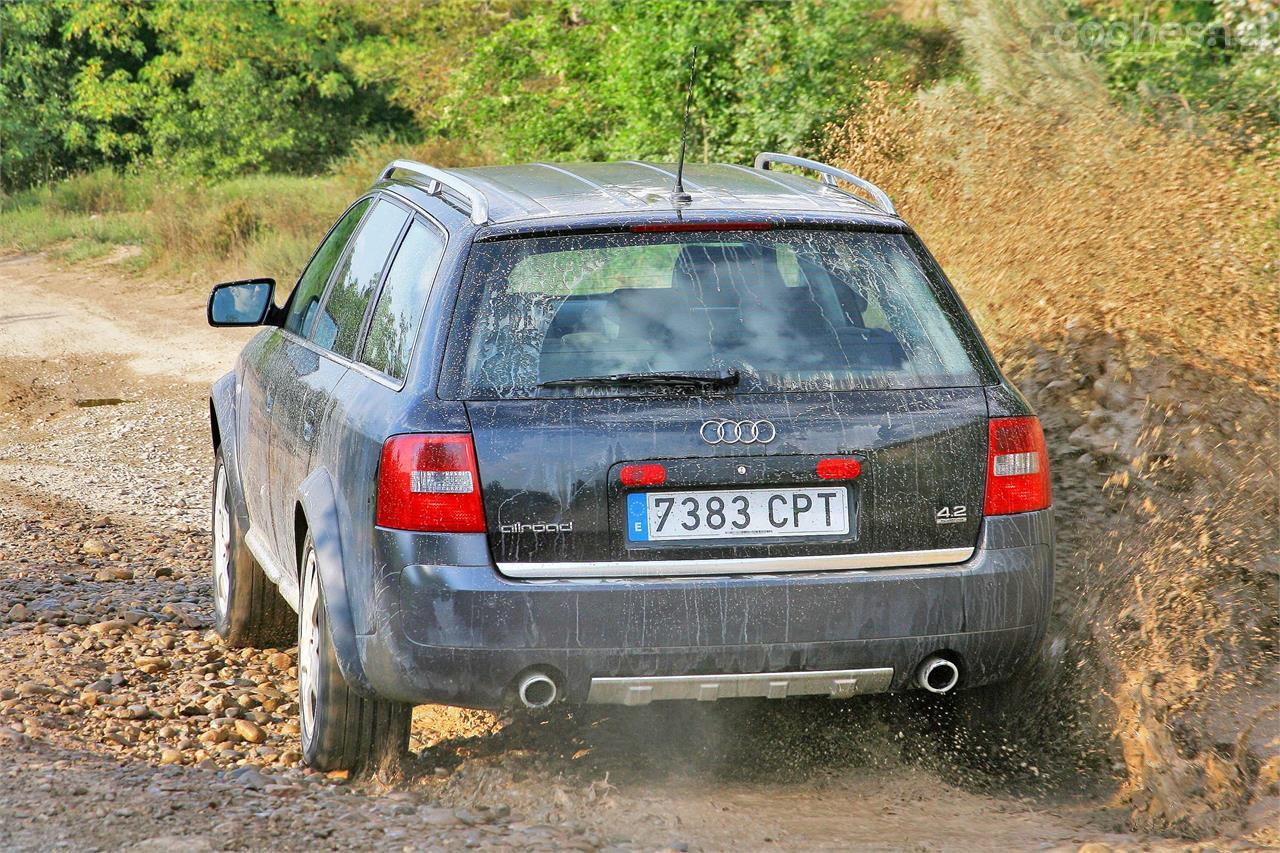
(789, 310)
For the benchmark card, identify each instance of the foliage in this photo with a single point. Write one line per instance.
(219, 89)
(607, 79)
(209, 88)
(1210, 62)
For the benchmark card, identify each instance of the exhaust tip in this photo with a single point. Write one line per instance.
(938, 674)
(536, 690)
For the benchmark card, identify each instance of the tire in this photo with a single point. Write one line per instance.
(341, 730)
(248, 610)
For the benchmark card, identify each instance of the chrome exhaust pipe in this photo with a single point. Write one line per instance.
(937, 674)
(536, 690)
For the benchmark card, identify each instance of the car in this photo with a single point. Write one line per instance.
(531, 434)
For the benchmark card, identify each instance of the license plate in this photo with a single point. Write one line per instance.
(737, 514)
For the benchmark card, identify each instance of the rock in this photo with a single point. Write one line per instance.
(18, 613)
(170, 756)
(93, 548)
(107, 627)
(35, 688)
(1094, 847)
(137, 712)
(438, 816)
(251, 732)
(280, 660)
(250, 777)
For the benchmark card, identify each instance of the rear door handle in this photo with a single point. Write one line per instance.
(271, 399)
(308, 431)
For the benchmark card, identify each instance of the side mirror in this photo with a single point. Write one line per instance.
(242, 303)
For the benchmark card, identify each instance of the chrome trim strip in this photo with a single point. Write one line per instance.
(752, 565)
(838, 684)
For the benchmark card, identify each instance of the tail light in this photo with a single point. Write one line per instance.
(430, 483)
(647, 474)
(839, 469)
(1017, 467)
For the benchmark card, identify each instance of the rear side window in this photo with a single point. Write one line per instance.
(338, 325)
(789, 310)
(398, 313)
(306, 296)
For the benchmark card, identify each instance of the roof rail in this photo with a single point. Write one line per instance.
(829, 176)
(439, 177)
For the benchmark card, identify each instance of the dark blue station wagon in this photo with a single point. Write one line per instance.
(544, 433)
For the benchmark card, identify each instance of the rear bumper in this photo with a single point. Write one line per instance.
(451, 629)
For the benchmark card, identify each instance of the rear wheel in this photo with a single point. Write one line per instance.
(248, 610)
(341, 730)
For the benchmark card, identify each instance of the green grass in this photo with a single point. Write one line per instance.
(184, 228)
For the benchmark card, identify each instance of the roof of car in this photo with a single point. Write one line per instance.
(533, 191)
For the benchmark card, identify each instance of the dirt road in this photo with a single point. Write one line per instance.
(125, 724)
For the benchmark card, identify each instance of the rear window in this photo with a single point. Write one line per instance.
(789, 310)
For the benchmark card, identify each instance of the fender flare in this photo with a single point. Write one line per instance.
(316, 496)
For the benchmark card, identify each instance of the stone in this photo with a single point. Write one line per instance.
(280, 660)
(170, 756)
(93, 548)
(250, 731)
(18, 613)
(108, 626)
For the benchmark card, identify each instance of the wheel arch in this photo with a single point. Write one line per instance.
(316, 512)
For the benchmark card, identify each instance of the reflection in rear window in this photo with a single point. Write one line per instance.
(790, 310)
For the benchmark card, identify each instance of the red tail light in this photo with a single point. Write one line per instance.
(430, 483)
(1017, 467)
(839, 469)
(648, 474)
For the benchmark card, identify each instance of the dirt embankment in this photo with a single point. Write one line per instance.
(1129, 281)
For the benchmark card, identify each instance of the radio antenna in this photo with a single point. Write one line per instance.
(679, 196)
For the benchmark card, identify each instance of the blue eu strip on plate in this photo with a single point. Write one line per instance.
(637, 517)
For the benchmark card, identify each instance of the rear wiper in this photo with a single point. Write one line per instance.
(718, 379)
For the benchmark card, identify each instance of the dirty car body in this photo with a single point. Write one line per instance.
(556, 436)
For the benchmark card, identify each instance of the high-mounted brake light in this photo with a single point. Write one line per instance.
(659, 227)
(1017, 467)
(430, 483)
(647, 474)
(839, 469)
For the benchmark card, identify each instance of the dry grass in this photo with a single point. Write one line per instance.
(1128, 281)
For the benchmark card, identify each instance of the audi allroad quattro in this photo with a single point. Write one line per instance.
(543, 433)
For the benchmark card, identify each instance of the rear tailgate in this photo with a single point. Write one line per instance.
(550, 472)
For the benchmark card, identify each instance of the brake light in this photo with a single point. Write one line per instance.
(1017, 467)
(430, 483)
(660, 227)
(648, 474)
(839, 469)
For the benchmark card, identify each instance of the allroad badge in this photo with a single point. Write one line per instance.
(721, 431)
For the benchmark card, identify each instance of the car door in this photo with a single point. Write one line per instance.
(258, 422)
(369, 402)
(311, 367)
(253, 426)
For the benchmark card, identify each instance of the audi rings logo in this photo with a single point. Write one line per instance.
(738, 432)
